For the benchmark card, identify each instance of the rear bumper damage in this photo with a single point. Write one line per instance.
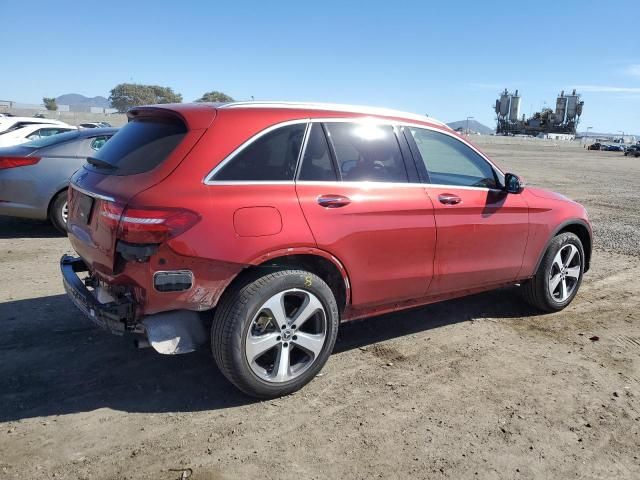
(116, 316)
(172, 332)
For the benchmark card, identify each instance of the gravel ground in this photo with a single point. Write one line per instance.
(481, 387)
(607, 183)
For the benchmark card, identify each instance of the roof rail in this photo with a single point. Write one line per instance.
(336, 107)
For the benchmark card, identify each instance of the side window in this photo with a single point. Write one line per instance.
(451, 162)
(273, 156)
(316, 162)
(45, 132)
(367, 152)
(98, 142)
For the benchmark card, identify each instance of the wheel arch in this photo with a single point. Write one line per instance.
(57, 192)
(319, 262)
(578, 227)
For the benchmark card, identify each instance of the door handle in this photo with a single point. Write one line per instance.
(333, 201)
(449, 199)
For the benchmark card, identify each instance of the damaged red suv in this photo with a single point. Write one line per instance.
(259, 227)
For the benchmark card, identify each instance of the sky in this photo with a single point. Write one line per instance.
(449, 60)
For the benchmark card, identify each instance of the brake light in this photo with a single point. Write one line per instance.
(13, 162)
(154, 225)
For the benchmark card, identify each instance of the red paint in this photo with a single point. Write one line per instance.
(395, 245)
(257, 221)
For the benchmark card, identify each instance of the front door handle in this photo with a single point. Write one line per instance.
(449, 199)
(333, 201)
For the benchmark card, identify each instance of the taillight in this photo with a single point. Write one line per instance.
(13, 162)
(154, 225)
(110, 214)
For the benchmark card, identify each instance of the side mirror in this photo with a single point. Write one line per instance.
(512, 183)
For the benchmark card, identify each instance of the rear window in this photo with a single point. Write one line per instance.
(52, 139)
(139, 146)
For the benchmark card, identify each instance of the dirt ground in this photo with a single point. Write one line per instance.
(481, 387)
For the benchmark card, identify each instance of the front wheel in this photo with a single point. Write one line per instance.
(272, 334)
(559, 275)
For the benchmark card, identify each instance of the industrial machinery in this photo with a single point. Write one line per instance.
(564, 119)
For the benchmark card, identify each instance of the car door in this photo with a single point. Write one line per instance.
(354, 189)
(482, 230)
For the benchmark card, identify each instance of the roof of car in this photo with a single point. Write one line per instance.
(334, 107)
(12, 120)
(200, 115)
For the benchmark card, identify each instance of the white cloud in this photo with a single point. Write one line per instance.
(606, 89)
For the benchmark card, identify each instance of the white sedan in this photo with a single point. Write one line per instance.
(32, 132)
(8, 124)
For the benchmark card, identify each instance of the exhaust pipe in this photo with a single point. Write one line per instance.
(141, 343)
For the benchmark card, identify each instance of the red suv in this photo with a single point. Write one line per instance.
(266, 224)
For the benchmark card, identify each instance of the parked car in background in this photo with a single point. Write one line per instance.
(615, 148)
(34, 176)
(272, 222)
(9, 123)
(94, 125)
(28, 133)
(595, 146)
(632, 151)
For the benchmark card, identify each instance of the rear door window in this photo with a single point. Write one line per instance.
(271, 157)
(367, 152)
(139, 146)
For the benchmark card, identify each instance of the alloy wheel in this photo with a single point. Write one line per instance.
(565, 273)
(286, 336)
(65, 212)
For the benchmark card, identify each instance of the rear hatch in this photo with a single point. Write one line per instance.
(139, 156)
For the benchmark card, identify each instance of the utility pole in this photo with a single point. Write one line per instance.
(468, 118)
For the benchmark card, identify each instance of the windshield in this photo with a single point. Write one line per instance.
(51, 140)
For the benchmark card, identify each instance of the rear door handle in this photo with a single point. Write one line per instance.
(333, 201)
(449, 199)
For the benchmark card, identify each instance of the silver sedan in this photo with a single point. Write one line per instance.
(34, 176)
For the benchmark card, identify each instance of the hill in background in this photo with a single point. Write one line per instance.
(474, 126)
(77, 99)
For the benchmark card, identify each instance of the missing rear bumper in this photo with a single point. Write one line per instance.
(116, 316)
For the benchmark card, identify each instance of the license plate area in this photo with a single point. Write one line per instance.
(85, 206)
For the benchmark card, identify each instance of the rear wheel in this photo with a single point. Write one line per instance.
(559, 275)
(59, 212)
(272, 334)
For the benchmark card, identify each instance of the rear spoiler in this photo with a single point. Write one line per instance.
(194, 115)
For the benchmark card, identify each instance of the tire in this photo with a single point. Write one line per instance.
(57, 214)
(539, 291)
(245, 323)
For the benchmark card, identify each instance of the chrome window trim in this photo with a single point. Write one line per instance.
(362, 185)
(209, 180)
(392, 185)
(99, 196)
